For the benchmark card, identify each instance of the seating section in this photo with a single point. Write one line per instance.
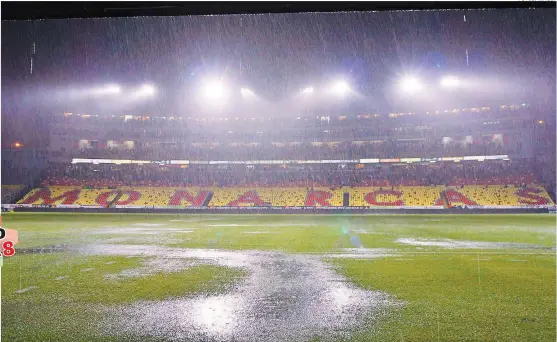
(497, 195)
(278, 197)
(410, 196)
(56, 195)
(163, 196)
(10, 193)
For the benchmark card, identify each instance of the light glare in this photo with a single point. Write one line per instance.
(214, 89)
(450, 82)
(340, 88)
(147, 90)
(247, 92)
(410, 85)
(113, 89)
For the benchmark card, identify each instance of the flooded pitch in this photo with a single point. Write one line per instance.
(454, 244)
(284, 297)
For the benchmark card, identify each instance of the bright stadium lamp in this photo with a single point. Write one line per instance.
(450, 82)
(214, 90)
(410, 85)
(340, 88)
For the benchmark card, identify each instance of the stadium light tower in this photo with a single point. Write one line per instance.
(450, 82)
(410, 85)
(340, 88)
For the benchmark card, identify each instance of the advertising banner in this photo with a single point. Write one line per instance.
(101, 161)
(369, 161)
(81, 160)
(498, 157)
(476, 158)
(410, 160)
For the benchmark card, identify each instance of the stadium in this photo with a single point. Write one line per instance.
(269, 200)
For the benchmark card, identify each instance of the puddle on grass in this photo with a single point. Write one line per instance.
(144, 240)
(139, 231)
(257, 232)
(259, 225)
(460, 244)
(27, 289)
(153, 266)
(134, 235)
(363, 253)
(234, 225)
(368, 232)
(149, 224)
(200, 219)
(42, 250)
(284, 297)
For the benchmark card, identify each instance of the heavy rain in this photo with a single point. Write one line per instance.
(350, 176)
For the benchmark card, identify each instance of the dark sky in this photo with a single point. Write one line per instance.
(276, 55)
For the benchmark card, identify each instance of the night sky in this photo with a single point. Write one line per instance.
(275, 54)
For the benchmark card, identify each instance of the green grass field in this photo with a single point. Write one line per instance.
(456, 277)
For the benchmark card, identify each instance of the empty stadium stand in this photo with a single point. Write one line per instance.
(403, 196)
(497, 195)
(411, 196)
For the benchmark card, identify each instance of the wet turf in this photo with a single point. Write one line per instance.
(455, 297)
(94, 285)
(68, 291)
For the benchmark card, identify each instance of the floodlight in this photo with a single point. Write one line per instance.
(340, 88)
(410, 85)
(214, 89)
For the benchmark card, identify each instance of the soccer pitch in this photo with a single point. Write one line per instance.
(111, 277)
